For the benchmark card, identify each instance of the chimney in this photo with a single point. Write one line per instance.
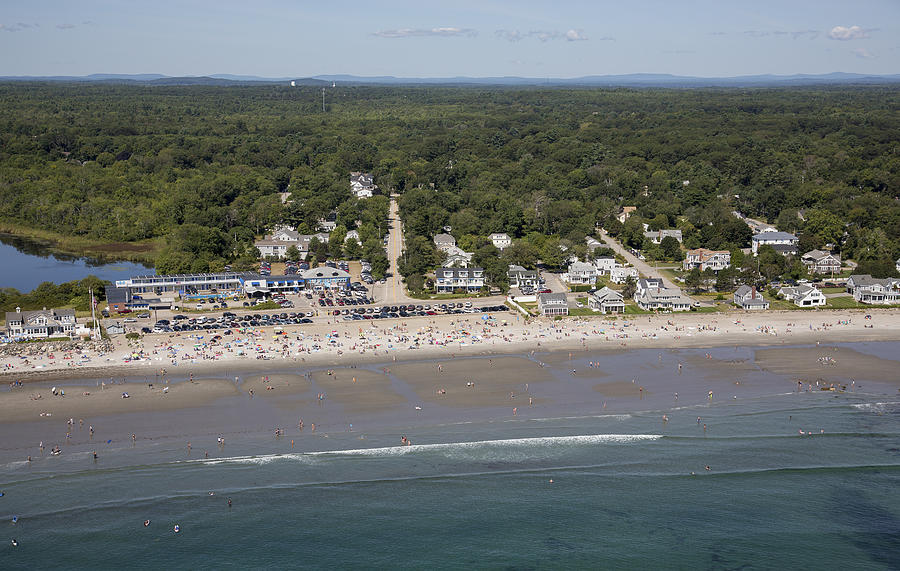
(753, 292)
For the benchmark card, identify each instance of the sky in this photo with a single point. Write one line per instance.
(446, 38)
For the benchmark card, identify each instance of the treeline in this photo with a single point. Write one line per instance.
(203, 166)
(74, 294)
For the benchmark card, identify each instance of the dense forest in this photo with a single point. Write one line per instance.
(200, 168)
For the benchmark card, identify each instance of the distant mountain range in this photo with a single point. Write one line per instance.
(629, 80)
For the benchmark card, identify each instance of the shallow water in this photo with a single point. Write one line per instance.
(629, 490)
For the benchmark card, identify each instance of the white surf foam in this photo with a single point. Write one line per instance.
(493, 449)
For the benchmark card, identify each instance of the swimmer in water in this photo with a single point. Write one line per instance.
(229, 502)
(146, 523)
(177, 528)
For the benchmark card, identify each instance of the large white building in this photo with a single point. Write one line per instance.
(448, 280)
(362, 184)
(866, 289)
(40, 324)
(702, 258)
(501, 240)
(783, 242)
(652, 295)
(803, 295)
(620, 274)
(582, 273)
(276, 244)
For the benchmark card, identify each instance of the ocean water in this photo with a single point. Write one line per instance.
(596, 491)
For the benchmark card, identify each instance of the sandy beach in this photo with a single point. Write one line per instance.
(430, 370)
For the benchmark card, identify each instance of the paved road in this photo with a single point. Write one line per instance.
(393, 291)
(643, 267)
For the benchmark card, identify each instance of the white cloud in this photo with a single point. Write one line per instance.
(863, 53)
(843, 33)
(17, 27)
(545, 35)
(426, 32)
(575, 36)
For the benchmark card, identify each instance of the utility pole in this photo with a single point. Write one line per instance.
(323, 100)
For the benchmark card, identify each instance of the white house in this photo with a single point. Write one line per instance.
(702, 258)
(40, 324)
(874, 291)
(819, 262)
(626, 212)
(352, 235)
(448, 280)
(457, 257)
(620, 274)
(606, 300)
(501, 240)
(651, 295)
(605, 265)
(803, 295)
(444, 242)
(582, 273)
(519, 277)
(782, 241)
(657, 237)
(277, 244)
(897, 265)
(362, 184)
(551, 304)
(748, 298)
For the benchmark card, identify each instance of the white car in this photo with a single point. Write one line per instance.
(130, 320)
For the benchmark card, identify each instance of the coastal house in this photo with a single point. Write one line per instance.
(552, 304)
(874, 291)
(625, 213)
(606, 300)
(650, 295)
(748, 298)
(448, 280)
(582, 273)
(782, 242)
(276, 244)
(444, 242)
(520, 277)
(501, 240)
(620, 274)
(592, 243)
(897, 264)
(803, 295)
(605, 264)
(362, 184)
(702, 258)
(352, 235)
(819, 262)
(457, 257)
(657, 237)
(40, 324)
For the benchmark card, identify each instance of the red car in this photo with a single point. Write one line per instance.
(545, 290)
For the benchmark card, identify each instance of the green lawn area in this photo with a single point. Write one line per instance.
(775, 303)
(710, 309)
(832, 289)
(633, 309)
(582, 311)
(843, 303)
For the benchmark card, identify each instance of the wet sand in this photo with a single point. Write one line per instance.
(830, 364)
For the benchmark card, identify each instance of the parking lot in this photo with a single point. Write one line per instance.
(229, 321)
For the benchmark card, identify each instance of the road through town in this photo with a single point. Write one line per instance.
(645, 269)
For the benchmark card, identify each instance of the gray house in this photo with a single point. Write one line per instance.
(40, 324)
(748, 298)
(606, 300)
(552, 304)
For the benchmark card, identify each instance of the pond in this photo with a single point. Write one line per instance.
(25, 264)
